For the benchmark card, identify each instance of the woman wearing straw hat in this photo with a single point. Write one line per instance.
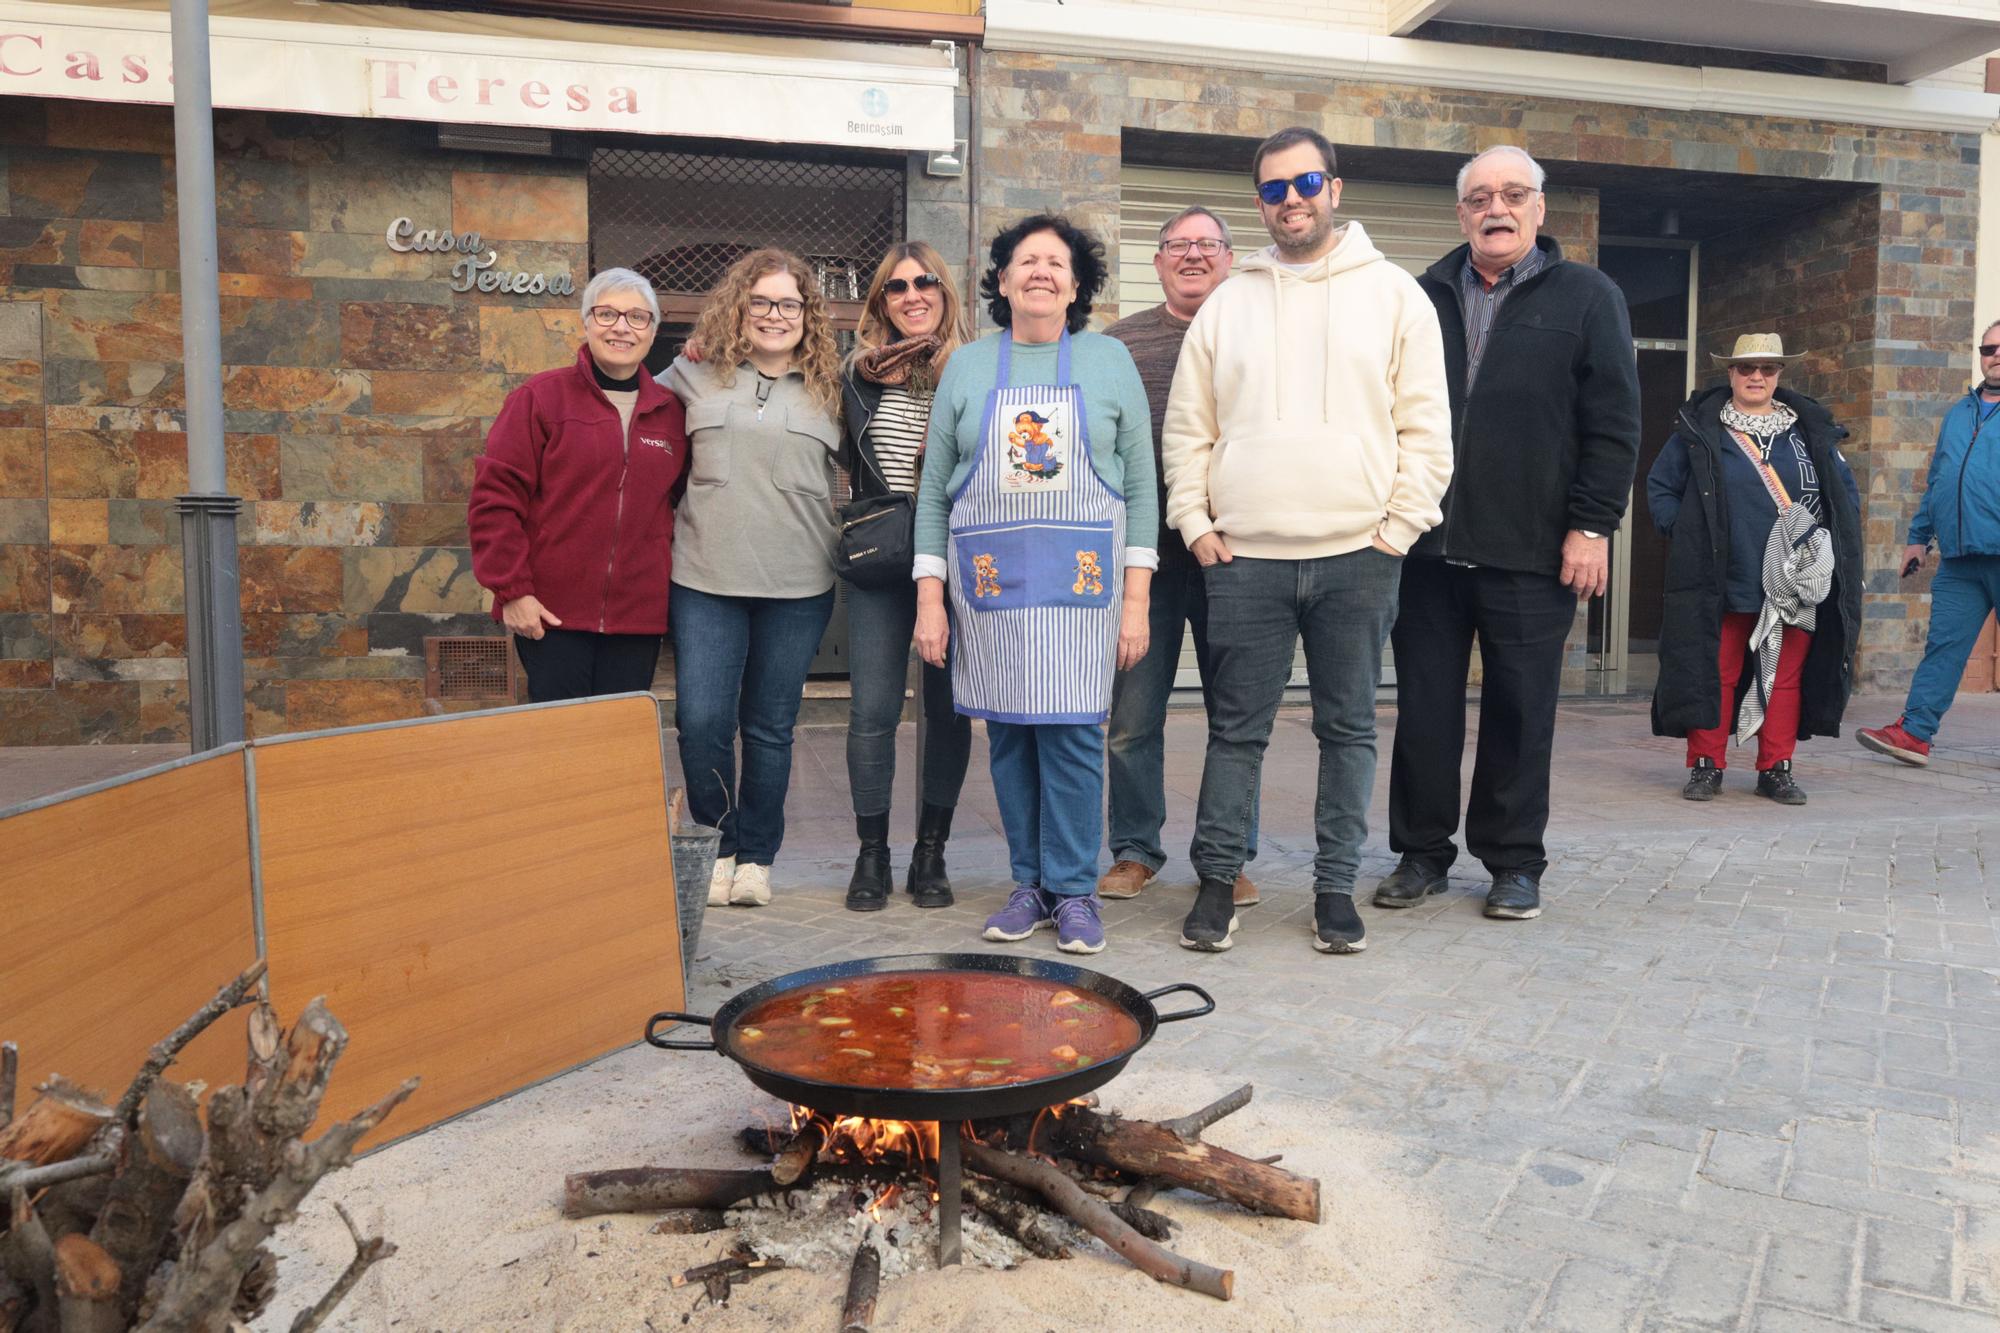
(1763, 601)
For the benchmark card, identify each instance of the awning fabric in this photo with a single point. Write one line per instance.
(478, 69)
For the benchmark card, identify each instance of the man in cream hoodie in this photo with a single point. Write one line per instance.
(1307, 446)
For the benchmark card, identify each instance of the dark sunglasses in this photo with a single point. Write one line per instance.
(1988, 349)
(1308, 184)
(923, 282)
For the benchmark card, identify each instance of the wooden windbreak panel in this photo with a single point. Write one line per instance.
(1982, 670)
(125, 910)
(484, 900)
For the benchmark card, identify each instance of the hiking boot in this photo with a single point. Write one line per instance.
(1028, 909)
(1125, 879)
(752, 886)
(1776, 783)
(719, 881)
(1337, 925)
(1409, 884)
(1245, 893)
(868, 890)
(1078, 928)
(1513, 897)
(1704, 781)
(1895, 742)
(927, 883)
(1212, 919)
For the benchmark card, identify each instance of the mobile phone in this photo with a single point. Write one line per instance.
(1912, 565)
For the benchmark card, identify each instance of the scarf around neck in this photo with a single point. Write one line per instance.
(917, 362)
(1764, 428)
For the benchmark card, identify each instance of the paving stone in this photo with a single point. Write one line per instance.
(1912, 1258)
(1702, 1289)
(1894, 1309)
(1588, 1297)
(1745, 1161)
(1814, 1274)
(1832, 1148)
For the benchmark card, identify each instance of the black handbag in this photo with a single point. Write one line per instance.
(878, 536)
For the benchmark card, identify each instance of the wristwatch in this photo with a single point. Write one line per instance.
(1594, 536)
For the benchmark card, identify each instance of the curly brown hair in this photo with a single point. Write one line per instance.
(878, 330)
(724, 346)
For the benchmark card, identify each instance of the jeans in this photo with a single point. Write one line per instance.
(1049, 783)
(741, 662)
(578, 664)
(1136, 733)
(1778, 737)
(1521, 622)
(880, 622)
(1343, 606)
(1964, 592)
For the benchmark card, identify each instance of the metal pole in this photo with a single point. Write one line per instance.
(951, 1192)
(208, 512)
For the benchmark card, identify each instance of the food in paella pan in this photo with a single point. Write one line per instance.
(929, 1030)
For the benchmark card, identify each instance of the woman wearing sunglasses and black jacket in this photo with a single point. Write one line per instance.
(911, 323)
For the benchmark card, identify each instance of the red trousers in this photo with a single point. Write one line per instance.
(1779, 735)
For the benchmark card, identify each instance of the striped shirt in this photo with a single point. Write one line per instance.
(896, 435)
(1481, 304)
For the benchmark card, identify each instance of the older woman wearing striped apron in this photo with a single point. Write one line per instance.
(1037, 436)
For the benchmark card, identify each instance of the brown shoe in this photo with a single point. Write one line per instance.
(1246, 892)
(1124, 880)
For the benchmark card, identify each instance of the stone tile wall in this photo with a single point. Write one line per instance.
(359, 388)
(1051, 132)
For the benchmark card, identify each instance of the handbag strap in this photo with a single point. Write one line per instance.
(1770, 478)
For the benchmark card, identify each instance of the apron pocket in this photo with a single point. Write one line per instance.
(1030, 565)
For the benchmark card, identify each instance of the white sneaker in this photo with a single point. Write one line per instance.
(752, 887)
(719, 881)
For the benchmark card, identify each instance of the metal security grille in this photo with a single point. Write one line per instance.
(682, 218)
(463, 668)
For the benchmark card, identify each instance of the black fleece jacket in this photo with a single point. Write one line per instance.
(1548, 439)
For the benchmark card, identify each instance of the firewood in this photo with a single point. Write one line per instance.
(647, 1189)
(689, 1222)
(56, 1125)
(29, 1257)
(741, 1263)
(1151, 1225)
(367, 1253)
(87, 1284)
(794, 1161)
(10, 1070)
(1148, 1257)
(136, 1221)
(864, 1283)
(169, 1047)
(1147, 1149)
(1024, 1221)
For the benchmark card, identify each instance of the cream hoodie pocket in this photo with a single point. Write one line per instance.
(1296, 486)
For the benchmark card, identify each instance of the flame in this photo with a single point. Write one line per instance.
(853, 1138)
(888, 1198)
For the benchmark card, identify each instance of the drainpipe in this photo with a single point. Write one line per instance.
(208, 512)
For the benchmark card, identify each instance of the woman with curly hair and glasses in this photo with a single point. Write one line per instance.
(1039, 435)
(911, 322)
(753, 551)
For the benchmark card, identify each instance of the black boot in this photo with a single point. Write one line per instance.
(1704, 781)
(1776, 783)
(868, 891)
(928, 884)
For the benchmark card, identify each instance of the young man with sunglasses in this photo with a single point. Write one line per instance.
(1545, 424)
(1307, 445)
(1960, 511)
(1193, 257)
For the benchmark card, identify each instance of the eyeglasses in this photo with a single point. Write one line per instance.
(607, 317)
(1768, 369)
(1989, 349)
(1208, 246)
(1513, 196)
(923, 282)
(790, 308)
(1308, 184)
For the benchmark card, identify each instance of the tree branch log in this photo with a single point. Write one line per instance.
(864, 1283)
(1147, 1149)
(1188, 1128)
(29, 1257)
(1025, 1222)
(136, 1222)
(10, 1071)
(794, 1162)
(170, 1046)
(646, 1189)
(87, 1284)
(367, 1253)
(1145, 1255)
(62, 1118)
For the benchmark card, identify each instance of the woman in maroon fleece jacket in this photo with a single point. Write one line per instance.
(572, 510)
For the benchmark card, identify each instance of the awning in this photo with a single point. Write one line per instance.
(478, 69)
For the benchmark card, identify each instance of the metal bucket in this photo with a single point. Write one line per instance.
(695, 846)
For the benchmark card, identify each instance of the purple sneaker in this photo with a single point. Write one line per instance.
(1026, 912)
(1077, 928)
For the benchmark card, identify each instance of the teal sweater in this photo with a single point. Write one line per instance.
(1121, 434)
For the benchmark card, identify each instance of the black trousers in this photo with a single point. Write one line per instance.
(576, 664)
(1520, 622)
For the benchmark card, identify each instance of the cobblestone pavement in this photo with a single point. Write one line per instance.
(1744, 1073)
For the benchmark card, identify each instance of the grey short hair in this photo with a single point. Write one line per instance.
(619, 280)
(1195, 211)
(1536, 176)
(1989, 328)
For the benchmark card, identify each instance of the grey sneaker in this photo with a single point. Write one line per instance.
(1078, 929)
(1028, 909)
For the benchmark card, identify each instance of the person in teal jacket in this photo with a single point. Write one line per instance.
(1960, 511)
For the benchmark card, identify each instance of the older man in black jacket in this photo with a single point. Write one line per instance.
(1545, 428)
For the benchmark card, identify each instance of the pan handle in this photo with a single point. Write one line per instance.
(653, 1026)
(1207, 1001)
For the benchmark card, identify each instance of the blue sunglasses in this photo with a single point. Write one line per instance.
(1307, 184)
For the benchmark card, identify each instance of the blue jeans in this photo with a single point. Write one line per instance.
(1136, 733)
(879, 624)
(1964, 591)
(741, 661)
(1049, 783)
(1343, 606)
